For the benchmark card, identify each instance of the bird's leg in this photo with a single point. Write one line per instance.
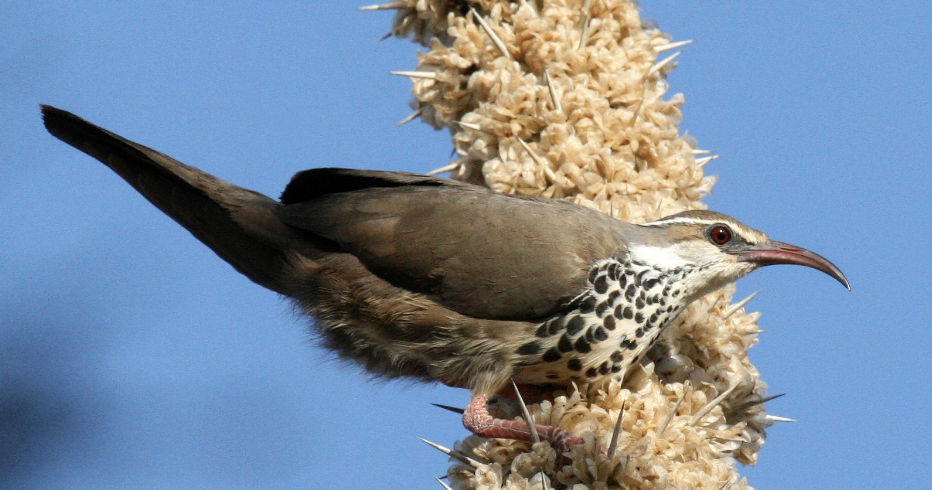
(478, 420)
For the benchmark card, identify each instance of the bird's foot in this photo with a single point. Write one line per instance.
(477, 419)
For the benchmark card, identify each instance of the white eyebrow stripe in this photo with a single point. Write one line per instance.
(688, 221)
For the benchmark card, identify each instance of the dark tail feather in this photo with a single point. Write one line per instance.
(236, 223)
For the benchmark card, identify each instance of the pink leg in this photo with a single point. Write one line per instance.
(477, 419)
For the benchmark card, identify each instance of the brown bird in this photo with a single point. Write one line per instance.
(428, 278)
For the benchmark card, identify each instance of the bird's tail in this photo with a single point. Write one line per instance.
(236, 223)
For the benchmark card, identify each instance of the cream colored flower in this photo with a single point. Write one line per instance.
(567, 99)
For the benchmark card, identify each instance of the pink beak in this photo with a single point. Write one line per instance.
(772, 253)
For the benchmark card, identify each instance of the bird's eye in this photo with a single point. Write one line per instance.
(720, 235)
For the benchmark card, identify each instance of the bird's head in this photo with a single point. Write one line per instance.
(716, 250)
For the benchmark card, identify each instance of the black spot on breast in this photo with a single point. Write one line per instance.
(600, 308)
(591, 372)
(639, 303)
(529, 349)
(542, 330)
(575, 325)
(600, 334)
(613, 271)
(601, 284)
(639, 279)
(616, 368)
(639, 333)
(639, 318)
(574, 364)
(630, 292)
(612, 296)
(609, 322)
(628, 313)
(622, 281)
(604, 368)
(650, 283)
(551, 355)
(592, 273)
(587, 305)
(565, 344)
(653, 319)
(582, 346)
(556, 325)
(617, 356)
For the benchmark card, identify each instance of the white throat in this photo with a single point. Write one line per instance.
(664, 258)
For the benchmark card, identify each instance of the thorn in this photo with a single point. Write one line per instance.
(667, 47)
(543, 480)
(410, 118)
(669, 417)
(757, 402)
(557, 106)
(474, 127)
(776, 418)
(430, 75)
(702, 161)
(535, 437)
(725, 485)
(462, 458)
(497, 41)
(551, 176)
(712, 404)
(737, 306)
(538, 160)
(615, 433)
(665, 62)
(584, 35)
(384, 6)
(447, 407)
(637, 110)
(761, 401)
(448, 168)
(390, 34)
(447, 487)
(769, 398)
(700, 152)
(713, 305)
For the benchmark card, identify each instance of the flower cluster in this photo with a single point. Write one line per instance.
(565, 99)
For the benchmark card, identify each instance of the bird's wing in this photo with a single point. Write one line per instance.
(476, 252)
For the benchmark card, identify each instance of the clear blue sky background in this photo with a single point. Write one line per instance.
(132, 357)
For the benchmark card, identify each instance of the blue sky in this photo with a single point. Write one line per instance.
(132, 357)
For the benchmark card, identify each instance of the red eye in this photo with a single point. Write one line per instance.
(720, 235)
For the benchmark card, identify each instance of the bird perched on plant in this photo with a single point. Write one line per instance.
(433, 279)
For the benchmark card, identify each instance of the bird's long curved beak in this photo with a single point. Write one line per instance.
(772, 253)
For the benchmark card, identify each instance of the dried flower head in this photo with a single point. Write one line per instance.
(565, 99)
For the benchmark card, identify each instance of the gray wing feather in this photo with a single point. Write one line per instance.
(476, 252)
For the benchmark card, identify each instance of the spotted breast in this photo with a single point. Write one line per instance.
(625, 306)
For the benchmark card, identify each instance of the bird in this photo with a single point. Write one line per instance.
(433, 279)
